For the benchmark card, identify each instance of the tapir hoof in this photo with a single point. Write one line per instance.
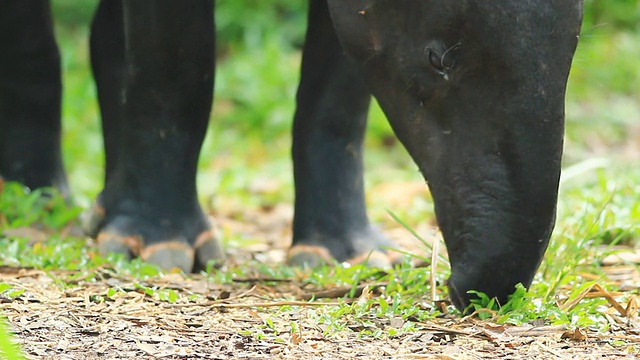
(208, 249)
(170, 253)
(378, 258)
(308, 256)
(108, 243)
(167, 254)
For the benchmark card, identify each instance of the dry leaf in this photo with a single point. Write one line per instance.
(576, 335)
(296, 338)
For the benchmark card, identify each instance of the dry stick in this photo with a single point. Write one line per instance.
(209, 303)
(434, 265)
(447, 330)
(600, 292)
(332, 293)
(260, 280)
(241, 295)
(535, 331)
(607, 295)
(340, 292)
(620, 337)
(551, 351)
(275, 304)
(218, 304)
(235, 297)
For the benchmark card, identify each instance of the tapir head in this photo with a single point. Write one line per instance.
(475, 90)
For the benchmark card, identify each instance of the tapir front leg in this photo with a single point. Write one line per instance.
(330, 218)
(475, 91)
(154, 65)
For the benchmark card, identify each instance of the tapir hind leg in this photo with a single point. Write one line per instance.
(330, 219)
(154, 71)
(30, 90)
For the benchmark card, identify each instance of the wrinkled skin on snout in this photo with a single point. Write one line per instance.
(475, 91)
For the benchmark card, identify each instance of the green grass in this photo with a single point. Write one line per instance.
(248, 139)
(8, 350)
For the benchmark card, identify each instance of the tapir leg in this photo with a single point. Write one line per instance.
(154, 72)
(330, 220)
(30, 90)
(109, 70)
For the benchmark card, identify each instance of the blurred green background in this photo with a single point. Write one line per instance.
(258, 61)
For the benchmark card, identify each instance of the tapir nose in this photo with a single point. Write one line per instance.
(498, 285)
(458, 293)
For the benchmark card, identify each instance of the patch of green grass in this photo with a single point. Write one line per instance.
(528, 306)
(162, 294)
(22, 207)
(596, 212)
(7, 291)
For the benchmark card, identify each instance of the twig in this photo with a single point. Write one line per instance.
(340, 292)
(434, 267)
(221, 304)
(276, 304)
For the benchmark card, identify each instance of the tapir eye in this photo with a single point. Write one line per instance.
(435, 60)
(442, 61)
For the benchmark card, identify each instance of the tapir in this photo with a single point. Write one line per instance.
(473, 89)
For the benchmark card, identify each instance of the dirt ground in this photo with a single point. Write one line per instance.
(54, 322)
(251, 320)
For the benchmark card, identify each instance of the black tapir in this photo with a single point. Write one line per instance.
(474, 90)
